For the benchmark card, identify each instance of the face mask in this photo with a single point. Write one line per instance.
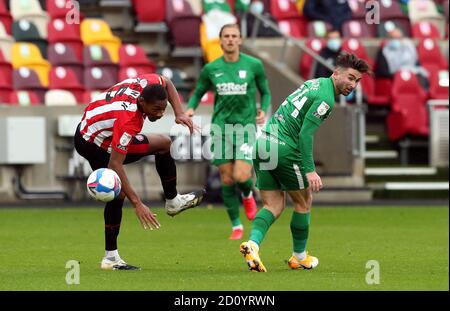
(257, 7)
(394, 44)
(334, 44)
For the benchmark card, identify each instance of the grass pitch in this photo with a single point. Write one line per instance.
(191, 250)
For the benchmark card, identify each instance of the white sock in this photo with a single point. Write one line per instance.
(238, 227)
(300, 256)
(254, 245)
(249, 195)
(114, 253)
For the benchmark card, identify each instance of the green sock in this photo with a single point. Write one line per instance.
(246, 186)
(300, 229)
(261, 224)
(232, 203)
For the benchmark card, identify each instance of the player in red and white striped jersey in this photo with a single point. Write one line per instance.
(109, 136)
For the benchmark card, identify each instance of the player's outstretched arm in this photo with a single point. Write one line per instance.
(174, 99)
(146, 217)
(306, 141)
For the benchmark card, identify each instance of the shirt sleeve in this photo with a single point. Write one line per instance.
(123, 134)
(203, 85)
(263, 86)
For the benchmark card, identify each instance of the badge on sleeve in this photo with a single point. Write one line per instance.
(321, 110)
(125, 139)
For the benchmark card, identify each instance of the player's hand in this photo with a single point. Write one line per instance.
(260, 117)
(314, 181)
(186, 121)
(146, 217)
(189, 113)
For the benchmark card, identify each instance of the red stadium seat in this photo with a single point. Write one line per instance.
(97, 56)
(5, 89)
(61, 54)
(439, 84)
(430, 55)
(354, 46)
(146, 13)
(358, 8)
(129, 72)
(98, 78)
(306, 61)
(373, 96)
(134, 55)
(60, 31)
(59, 8)
(5, 17)
(5, 68)
(64, 79)
(408, 115)
(390, 9)
(180, 16)
(422, 30)
(295, 27)
(385, 26)
(357, 29)
(28, 80)
(318, 29)
(24, 98)
(283, 9)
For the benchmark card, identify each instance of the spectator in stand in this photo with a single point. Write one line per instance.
(397, 54)
(329, 53)
(335, 12)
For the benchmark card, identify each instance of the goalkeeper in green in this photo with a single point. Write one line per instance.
(235, 77)
(283, 159)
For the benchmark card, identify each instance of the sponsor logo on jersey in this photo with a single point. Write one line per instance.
(125, 139)
(242, 74)
(139, 137)
(231, 89)
(321, 110)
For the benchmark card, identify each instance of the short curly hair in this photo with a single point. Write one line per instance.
(346, 60)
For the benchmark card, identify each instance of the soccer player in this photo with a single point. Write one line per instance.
(108, 136)
(234, 78)
(288, 137)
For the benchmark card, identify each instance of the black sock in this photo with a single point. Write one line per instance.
(113, 217)
(165, 166)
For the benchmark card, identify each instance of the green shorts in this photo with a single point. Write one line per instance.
(277, 165)
(226, 149)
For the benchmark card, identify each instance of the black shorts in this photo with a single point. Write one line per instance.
(99, 157)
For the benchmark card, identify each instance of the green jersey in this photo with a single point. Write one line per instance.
(234, 85)
(221, 5)
(300, 115)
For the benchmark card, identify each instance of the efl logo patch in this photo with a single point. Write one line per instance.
(125, 139)
(321, 110)
(242, 74)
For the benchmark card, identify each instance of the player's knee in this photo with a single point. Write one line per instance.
(241, 176)
(165, 142)
(227, 180)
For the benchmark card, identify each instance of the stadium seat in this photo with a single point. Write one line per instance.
(354, 46)
(176, 76)
(225, 6)
(97, 56)
(283, 9)
(28, 80)
(210, 47)
(408, 115)
(207, 98)
(134, 55)
(60, 31)
(28, 55)
(294, 27)
(149, 14)
(372, 95)
(5, 89)
(430, 56)
(391, 10)
(96, 78)
(59, 8)
(358, 8)
(64, 79)
(306, 61)
(61, 54)
(89, 96)
(60, 98)
(25, 31)
(5, 18)
(318, 29)
(129, 72)
(181, 16)
(386, 26)
(446, 9)
(97, 31)
(439, 84)
(5, 68)
(357, 29)
(422, 30)
(6, 42)
(30, 10)
(24, 98)
(426, 10)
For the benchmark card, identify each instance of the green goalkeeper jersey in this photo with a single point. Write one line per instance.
(234, 85)
(299, 116)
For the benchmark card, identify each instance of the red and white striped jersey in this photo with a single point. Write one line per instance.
(112, 119)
